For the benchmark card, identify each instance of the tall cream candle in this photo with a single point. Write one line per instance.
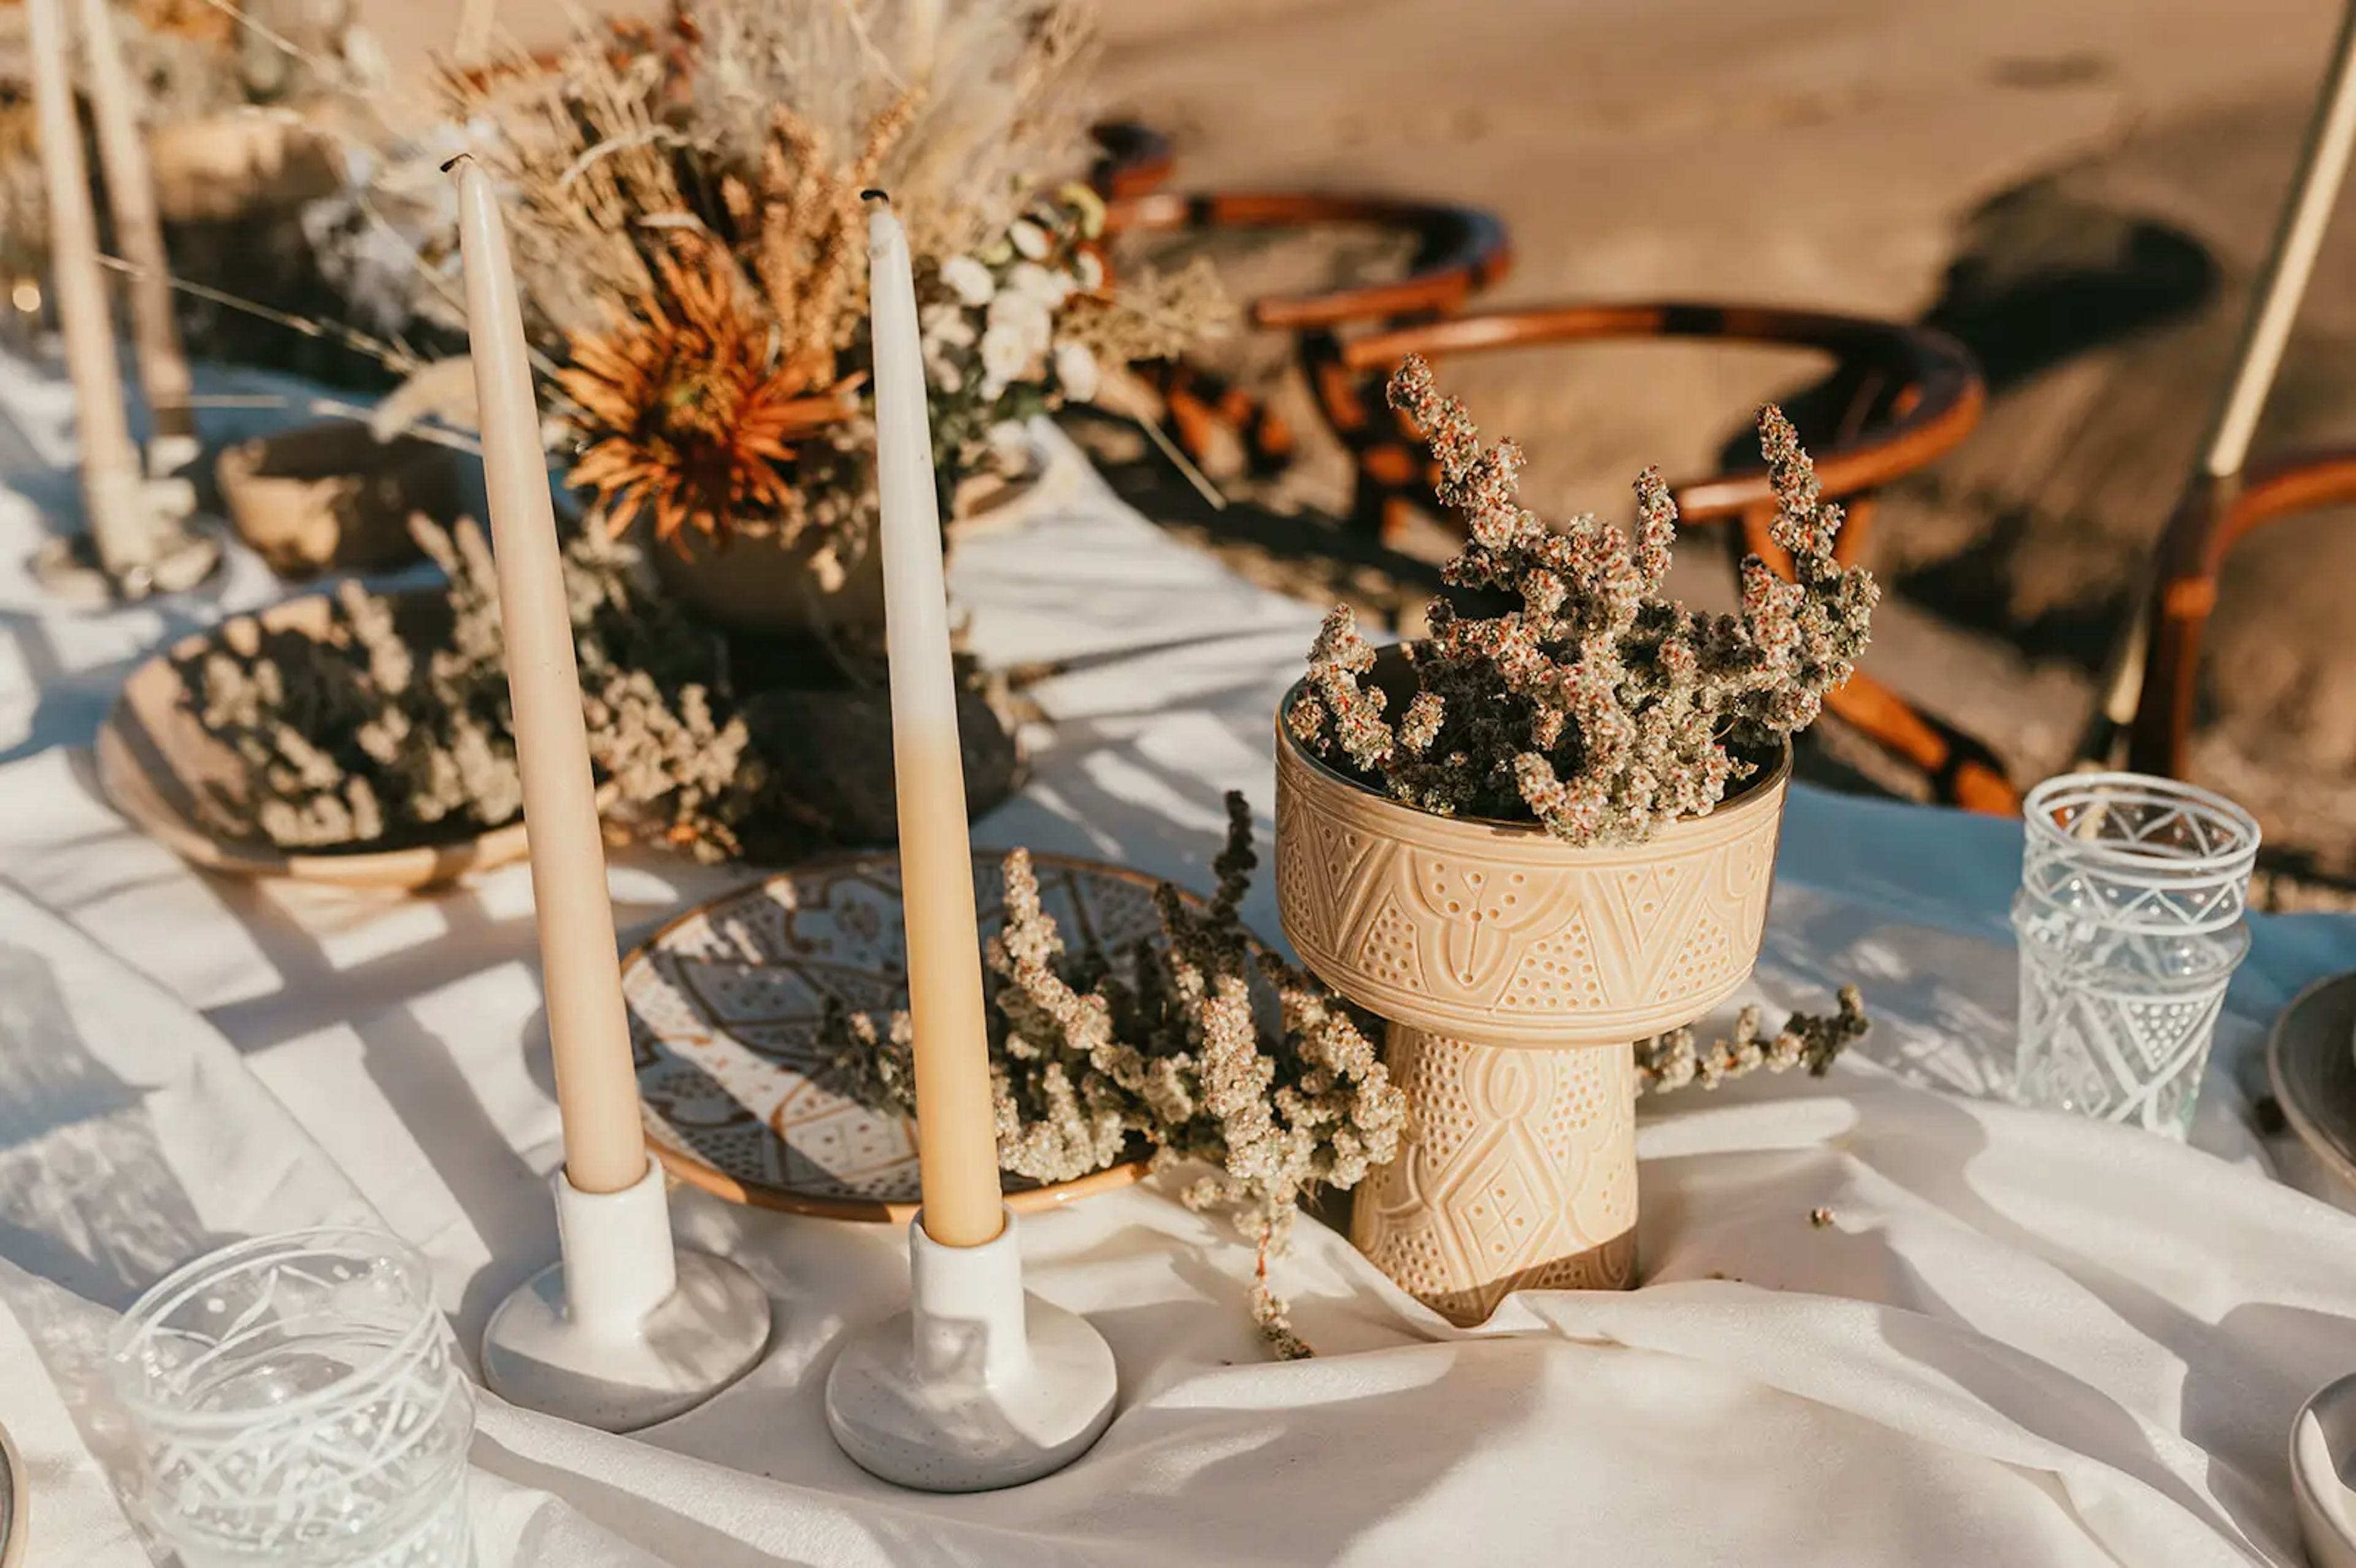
(924, 38)
(112, 486)
(131, 193)
(596, 1087)
(956, 1139)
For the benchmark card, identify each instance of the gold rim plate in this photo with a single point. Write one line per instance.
(724, 1003)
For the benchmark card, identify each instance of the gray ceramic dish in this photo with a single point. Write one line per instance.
(2311, 1058)
(2323, 1442)
(15, 1518)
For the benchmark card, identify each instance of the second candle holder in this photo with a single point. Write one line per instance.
(627, 1328)
(978, 1384)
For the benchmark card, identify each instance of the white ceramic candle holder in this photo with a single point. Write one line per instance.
(183, 549)
(625, 1329)
(977, 1385)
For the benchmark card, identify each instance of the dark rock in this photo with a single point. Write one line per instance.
(832, 756)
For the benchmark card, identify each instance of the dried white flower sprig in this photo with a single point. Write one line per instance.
(1032, 321)
(392, 724)
(1672, 1061)
(1599, 707)
(1092, 1052)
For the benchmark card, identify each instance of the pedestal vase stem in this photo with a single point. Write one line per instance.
(1519, 1171)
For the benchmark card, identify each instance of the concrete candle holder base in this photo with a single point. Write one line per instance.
(183, 552)
(977, 1385)
(625, 1330)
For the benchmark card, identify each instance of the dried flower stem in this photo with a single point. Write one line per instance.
(1810, 1040)
(1092, 1051)
(1599, 707)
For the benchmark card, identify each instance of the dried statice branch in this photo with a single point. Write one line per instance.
(1599, 707)
(1094, 1052)
(394, 724)
(1811, 1041)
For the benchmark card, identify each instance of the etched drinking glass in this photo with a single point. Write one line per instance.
(2133, 890)
(298, 1403)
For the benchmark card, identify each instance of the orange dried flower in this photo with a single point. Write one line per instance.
(689, 414)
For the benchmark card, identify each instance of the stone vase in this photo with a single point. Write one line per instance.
(767, 586)
(816, 583)
(1515, 971)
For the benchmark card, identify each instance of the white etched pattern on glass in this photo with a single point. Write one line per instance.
(2129, 920)
(2138, 853)
(297, 1403)
(2117, 1025)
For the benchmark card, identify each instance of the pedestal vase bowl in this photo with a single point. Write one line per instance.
(1514, 970)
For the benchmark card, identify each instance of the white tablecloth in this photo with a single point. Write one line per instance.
(2021, 1339)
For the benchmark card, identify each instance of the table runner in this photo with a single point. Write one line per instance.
(2016, 1337)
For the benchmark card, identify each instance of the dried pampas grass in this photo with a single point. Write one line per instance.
(758, 123)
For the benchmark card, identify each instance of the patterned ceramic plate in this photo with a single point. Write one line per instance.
(2311, 1057)
(725, 1005)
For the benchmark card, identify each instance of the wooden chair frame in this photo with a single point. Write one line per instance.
(1463, 250)
(1460, 252)
(1132, 160)
(2201, 535)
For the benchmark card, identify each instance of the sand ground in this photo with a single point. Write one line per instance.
(1815, 152)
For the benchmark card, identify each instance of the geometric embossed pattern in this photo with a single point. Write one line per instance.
(1504, 934)
(725, 1005)
(1517, 1171)
(301, 1403)
(1513, 969)
(2129, 920)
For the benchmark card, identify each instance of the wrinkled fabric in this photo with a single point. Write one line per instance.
(1883, 1320)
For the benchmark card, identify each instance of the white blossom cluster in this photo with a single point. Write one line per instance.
(994, 321)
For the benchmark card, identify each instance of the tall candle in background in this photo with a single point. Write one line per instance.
(956, 1138)
(112, 486)
(589, 1036)
(924, 38)
(131, 194)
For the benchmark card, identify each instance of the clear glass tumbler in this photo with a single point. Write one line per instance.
(298, 1403)
(2133, 890)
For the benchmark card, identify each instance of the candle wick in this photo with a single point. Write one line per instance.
(454, 163)
(870, 193)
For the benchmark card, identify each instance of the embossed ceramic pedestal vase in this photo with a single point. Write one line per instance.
(1515, 971)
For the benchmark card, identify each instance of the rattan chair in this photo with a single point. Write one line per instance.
(1458, 251)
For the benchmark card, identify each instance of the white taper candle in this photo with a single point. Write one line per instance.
(131, 194)
(588, 1032)
(112, 486)
(955, 1130)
